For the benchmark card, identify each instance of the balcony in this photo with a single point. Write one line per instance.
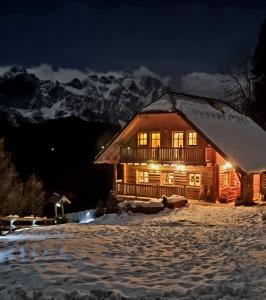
(148, 190)
(191, 156)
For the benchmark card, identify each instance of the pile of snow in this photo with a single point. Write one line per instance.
(176, 198)
(139, 203)
(197, 252)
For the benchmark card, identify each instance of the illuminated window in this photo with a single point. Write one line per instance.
(155, 139)
(226, 179)
(167, 178)
(142, 176)
(194, 179)
(142, 139)
(192, 138)
(177, 139)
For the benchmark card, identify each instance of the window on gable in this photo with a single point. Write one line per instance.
(155, 139)
(192, 138)
(177, 139)
(167, 178)
(194, 179)
(142, 139)
(142, 176)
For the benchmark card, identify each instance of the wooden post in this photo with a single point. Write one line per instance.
(62, 208)
(135, 190)
(247, 190)
(55, 210)
(115, 179)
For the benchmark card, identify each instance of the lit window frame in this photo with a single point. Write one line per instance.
(226, 179)
(178, 139)
(142, 176)
(156, 140)
(142, 138)
(167, 178)
(192, 140)
(192, 181)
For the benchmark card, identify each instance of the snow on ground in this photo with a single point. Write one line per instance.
(198, 252)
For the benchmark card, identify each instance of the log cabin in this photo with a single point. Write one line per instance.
(188, 145)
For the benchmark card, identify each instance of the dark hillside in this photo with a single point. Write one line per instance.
(61, 152)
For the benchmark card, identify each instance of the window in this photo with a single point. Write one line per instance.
(226, 179)
(177, 139)
(142, 139)
(194, 179)
(192, 138)
(155, 139)
(142, 176)
(167, 178)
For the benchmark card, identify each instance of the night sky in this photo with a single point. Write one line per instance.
(169, 37)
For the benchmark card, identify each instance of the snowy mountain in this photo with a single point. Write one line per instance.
(111, 97)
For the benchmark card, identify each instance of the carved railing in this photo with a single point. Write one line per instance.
(148, 190)
(185, 155)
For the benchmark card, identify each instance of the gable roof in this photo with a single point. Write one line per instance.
(235, 136)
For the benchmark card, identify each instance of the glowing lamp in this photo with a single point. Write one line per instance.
(181, 168)
(154, 167)
(227, 166)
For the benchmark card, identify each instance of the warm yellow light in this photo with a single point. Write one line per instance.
(227, 166)
(154, 167)
(181, 168)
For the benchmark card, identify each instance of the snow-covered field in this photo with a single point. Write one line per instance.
(198, 252)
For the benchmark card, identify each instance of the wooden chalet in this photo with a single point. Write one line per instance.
(193, 146)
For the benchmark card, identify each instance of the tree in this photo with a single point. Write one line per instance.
(258, 108)
(237, 82)
(34, 196)
(16, 197)
(11, 187)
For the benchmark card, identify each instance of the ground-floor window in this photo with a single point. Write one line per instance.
(167, 178)
(194, 179)
(226, 179)
(142, 176)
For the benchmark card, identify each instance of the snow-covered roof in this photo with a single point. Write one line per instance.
(237, 136)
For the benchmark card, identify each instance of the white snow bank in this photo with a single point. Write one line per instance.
(199, 252)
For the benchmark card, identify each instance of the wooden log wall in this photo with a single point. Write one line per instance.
(180, 178)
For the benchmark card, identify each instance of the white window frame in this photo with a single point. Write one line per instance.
(193, 139)
(155, 132)
(179, 139)
(192, 179)
(167, 178)
(142, 176)
(141, 139)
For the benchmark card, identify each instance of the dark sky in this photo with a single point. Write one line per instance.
(169, 37)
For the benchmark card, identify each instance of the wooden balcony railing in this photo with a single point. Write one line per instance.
(148, 190)
(185, 155)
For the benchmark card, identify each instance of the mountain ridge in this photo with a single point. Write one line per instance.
(111, 97)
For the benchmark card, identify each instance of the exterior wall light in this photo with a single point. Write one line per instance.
(181, 168)
(227, 166)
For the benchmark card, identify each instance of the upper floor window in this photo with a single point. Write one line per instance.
(167, 178)
(194, 179)
(142, 139)
(177, 139)
(142, 176)
(155, 139)
(192, 138)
